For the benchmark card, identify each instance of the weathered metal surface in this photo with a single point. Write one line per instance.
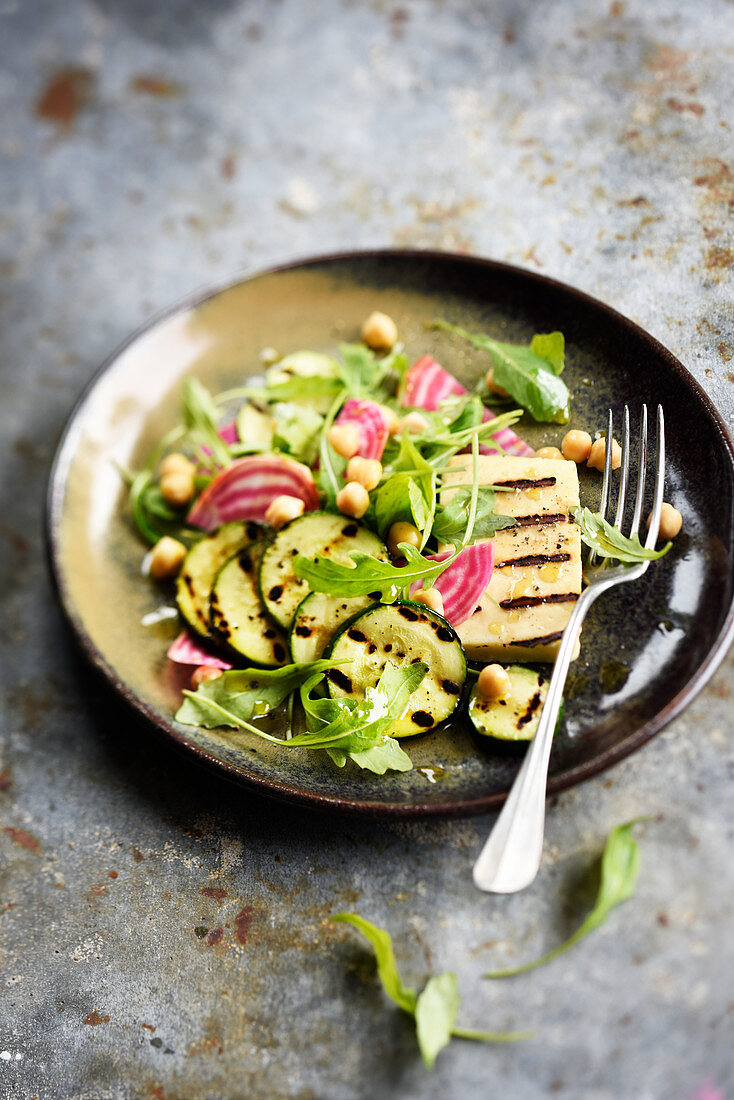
(162, 936)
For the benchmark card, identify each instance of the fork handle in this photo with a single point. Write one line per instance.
(510, 859)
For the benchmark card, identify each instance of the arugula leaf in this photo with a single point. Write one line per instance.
(299, 388)
(451, 519)
(368, 574)
(387, 968)
(531, 378)
(355, 728)
(609, 542)
(297, 431)
(241, 694)
(364, 724)
(409, 493)
(620, 866)
(436, 1008)
(435, 1015)
(358, 364)
(200, 418)
(552, 347)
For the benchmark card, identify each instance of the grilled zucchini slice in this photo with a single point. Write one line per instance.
(317, 620)
(512, 722)
(401, 633)
(317, 534)
(200, 567)
(239, 617)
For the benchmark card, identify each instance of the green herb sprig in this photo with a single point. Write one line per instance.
(529, 373)
(620, 866)
(609, 542)
(435, 1009)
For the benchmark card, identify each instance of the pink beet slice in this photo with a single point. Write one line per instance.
(463, 584)
(189, 651)
(369, 420)
(427, 384)
(245, 490)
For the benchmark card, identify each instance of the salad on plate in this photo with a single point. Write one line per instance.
(361, 539)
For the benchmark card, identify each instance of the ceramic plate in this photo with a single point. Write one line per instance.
(647, 648)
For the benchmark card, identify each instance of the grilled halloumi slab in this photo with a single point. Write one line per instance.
(537, 563)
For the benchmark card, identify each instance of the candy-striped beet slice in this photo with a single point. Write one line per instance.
(464, 583)
(188, 651)
(245, 490)
(369, 420)
(427, 384)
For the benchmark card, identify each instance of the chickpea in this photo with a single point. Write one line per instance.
(671, 521)
(344, 438)
(494, 682)
(177, 488)
(489, 379)
(283, 509)
(202, 673)
(367, 471)
(414, 423)
(353, 500)
(548, 452)
(166, 558)
(175, 464)
(391, 418)
(379, 331)
(576, 446)
(402, 532)
(429, 597)
(597, 455)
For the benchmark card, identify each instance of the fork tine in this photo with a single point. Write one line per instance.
(625, 468)
(652, 534)
(641, 475)
(606, 484)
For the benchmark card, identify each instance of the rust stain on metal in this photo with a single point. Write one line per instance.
(22, 838)
(98, 889)
(112, 874)
(718, 181)
(138, 856)
(156, 86)
(148, 1027)
(94, 1019)
(214, 937)
(726, 351)
(228, 167)
(65, 94)
(215, 892)
(243, 923)
(206, 1045)
(156, 1092)
(638, 200)
(719, 258)
(6, 780)
(692, 107)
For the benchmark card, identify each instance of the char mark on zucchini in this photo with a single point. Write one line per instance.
(532, 707)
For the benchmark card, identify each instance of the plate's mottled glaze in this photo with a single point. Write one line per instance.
(646, 649)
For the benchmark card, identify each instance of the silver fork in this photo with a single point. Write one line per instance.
(510, 859)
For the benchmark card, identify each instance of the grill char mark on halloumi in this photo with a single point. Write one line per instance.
(537, 574)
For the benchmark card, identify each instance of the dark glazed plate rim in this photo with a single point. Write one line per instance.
(284, 792)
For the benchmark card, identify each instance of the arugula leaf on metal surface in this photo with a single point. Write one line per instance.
(435, 1009)
(620, 867)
